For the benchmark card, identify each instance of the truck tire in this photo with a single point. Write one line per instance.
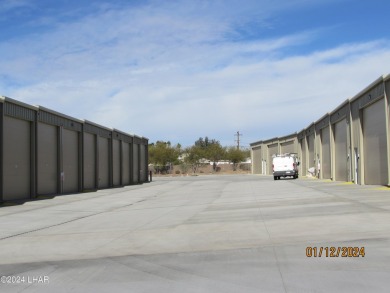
(275, 177)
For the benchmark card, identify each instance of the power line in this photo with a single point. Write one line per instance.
(238, 134)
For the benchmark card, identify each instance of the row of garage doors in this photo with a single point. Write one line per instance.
(353, 160)
(47, 153)
(351, 144)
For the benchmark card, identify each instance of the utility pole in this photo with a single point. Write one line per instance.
(238, 134)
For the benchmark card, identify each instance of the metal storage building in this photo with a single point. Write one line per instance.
(43, 152)
(352, 143)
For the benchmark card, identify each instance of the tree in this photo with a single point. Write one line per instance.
(162, 154)
(193, 156)
(235, 156)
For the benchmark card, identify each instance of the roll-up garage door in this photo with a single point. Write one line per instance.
(310, 142)
(135, 163)
(340, 139)
(375, 145)
(125, 163)
(89, 161)
(104, 163)
(70, 153)
(272, 150)
(287, 147)
(303, 159)
(257, 160)
(116, 156)
(17, 137)
(142, 163)
(326, 159)
(47, 156)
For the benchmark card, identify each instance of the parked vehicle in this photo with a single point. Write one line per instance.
(285, 165)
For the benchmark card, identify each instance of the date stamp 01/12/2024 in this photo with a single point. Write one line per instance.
(333, 251)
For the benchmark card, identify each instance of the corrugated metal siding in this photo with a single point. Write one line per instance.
(19, 112)
(375, 144)
(16, 158)
(54, 119)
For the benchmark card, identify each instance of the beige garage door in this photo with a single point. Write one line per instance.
(257, 160)
(340, 139)
(310, 145)
(304, 155)
(287, 147)
(326, 158)
(375, 145)
(272, 150)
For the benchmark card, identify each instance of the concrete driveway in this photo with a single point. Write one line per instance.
(242, 233)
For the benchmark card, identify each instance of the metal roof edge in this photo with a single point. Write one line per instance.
(59, 114)
(380, 79)
(16, 102)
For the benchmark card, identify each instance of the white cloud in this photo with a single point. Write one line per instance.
(166, 72)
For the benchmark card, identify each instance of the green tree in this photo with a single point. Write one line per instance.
(193, 156)
(235, 156)
(162, 154)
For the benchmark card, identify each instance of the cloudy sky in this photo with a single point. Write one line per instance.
(184, 69)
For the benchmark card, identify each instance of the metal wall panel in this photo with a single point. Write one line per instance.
(16, 147)
(303, 158)
(375, 144)
(326, 158)
(89, 161)
(104, 163)
(257, 163)
(287, 147)
(341, 159)
(310, 142)
(272, 150)
(143, 163)
(47, 159)
(116, 156)
(70, 156)
(126, 163)
(135, 163)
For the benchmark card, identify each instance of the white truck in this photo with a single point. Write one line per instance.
(285, 165)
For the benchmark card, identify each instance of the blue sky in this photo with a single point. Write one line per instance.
(180, 70)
